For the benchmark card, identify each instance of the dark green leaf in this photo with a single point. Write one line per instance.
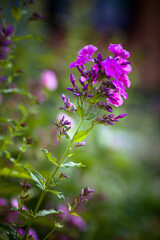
(37, 177)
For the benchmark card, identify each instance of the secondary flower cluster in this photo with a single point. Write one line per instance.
(104, 84)
(5, 41)
(68, 106)
(62, 126)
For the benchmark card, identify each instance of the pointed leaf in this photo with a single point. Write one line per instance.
(37, 177)
(49, 156)
(43, 213)
(19, 91)
(81, 135)
(72, 164)
(58, 194)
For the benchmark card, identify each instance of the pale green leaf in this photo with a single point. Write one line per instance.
(18, 91)
(58, 194)
(81, 135)
(43, 213)
(72, 164)
(37, 177)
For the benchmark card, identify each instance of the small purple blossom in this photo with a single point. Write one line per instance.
(63, 126)
(68, 106)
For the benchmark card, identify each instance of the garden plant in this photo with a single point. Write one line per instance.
(100, 88)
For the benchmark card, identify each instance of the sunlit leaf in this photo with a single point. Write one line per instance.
(49, 156)
(8, 120)
(43, 213)
(81, 135)
(16, 12)
(72, 164)
(58, 194)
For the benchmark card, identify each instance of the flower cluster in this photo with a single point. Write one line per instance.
(104, 84)
(62, 126)
(5, 41)
(85, 195)
(109, 119)
(68, 106)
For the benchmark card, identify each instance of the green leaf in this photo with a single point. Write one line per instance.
(94, 99)
(8, 120)
(43, 213)
(58, 194)
(9, 232)
(72, 164)
(81, 135)
(89, 116)
(8, 156)
(16, 12)
(80, 111)
(37, 177)
(49, 156)
(17, 90)
(27, 37)
(14, 173)
(74, 214)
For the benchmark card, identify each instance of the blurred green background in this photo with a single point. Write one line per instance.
(122, 161)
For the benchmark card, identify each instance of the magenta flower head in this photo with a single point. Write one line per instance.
(112, 68)
(87, 51)
(118, 50)
(49, 80)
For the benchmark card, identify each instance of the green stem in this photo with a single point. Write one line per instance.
(53, 174)
(62, 221)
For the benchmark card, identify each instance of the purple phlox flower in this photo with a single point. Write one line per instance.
(125, 80)
(72, 220)
(69, 107)
(105, 106)
(3, 79)
(72, 79)
(32, 233)
(8, 31)
(62, 175)
(84, 56)
(81, 60)
(5, 33)
(3, 202)
(49, 79)
(126, 66)
(62, 126)
(88, 50)
(115, 99)
(112, 68)
(85, 195)
(118, 50)
(80, 144)
(35, 16)
(120, 88)
(25, 186)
